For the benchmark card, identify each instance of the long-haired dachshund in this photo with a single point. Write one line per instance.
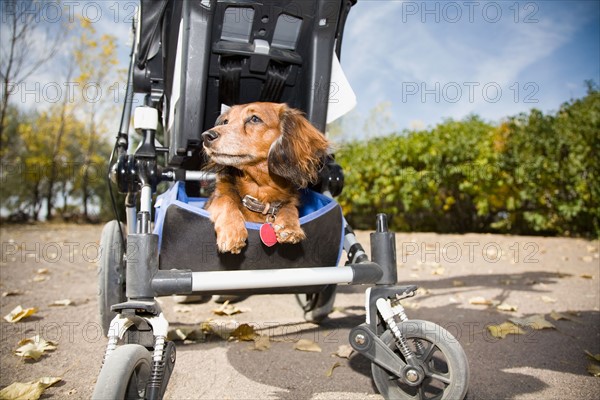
(264, 153)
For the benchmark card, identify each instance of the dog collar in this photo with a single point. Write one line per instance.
(257, 206)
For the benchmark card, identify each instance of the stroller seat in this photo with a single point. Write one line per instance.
(187, 238)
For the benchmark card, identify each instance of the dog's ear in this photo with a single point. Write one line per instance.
(298, 154)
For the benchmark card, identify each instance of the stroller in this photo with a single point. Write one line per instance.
(190, 59)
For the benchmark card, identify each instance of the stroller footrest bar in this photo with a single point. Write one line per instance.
(216, 281)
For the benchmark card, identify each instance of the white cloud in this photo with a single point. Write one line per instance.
(385, 50)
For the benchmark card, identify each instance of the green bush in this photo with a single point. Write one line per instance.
(533, 173)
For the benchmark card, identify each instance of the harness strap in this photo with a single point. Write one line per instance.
(230, 70)
(272, 89)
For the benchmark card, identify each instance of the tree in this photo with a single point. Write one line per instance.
(19, 56)
(96, 60)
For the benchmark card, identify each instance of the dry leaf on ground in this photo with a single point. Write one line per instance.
(586, 276)
(593, 356)
(536, 322)
(12, 293)
(29, 390)
(439, 271)
(506, 307)
(480, 301)
(186, 333)
(457, 283)
(561, 316)
(505, 329)
(344, 351)
(18, 313)
(228, 309)
(62, 303)
(594, 369)
(548, 299)
(34, 347)
(329, 372)
(262, 343)
(42, 271)
(243, 332)
(307, 345)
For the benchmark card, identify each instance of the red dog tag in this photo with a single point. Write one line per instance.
(267, 235)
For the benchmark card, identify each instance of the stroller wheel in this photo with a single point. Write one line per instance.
(317, 306)
(111, 272)
(125, 374)
(444, 363)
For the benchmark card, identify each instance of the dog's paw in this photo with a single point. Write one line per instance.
(289, 234)
(231, 238)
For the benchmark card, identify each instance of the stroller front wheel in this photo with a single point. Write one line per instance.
(443, 359)
(125, 374)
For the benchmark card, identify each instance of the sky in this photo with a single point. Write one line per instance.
(421, 62)
(428, 61)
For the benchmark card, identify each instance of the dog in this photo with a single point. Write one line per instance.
(264, 153)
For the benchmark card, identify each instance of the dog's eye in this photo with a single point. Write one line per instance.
(254, 120)
(225, 122)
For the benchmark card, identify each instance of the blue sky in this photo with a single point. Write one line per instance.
(434, 60)
(424, 61)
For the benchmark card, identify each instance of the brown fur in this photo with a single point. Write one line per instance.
(268, 158)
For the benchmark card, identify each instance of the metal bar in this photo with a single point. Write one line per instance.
(271, 278)
(275, 278)
(200, 176)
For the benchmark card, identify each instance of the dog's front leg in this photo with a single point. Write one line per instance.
(287, 225)
(229, 223)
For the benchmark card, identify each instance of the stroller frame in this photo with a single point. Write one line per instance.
(397, 347)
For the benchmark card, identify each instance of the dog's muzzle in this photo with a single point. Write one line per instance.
(209, 137)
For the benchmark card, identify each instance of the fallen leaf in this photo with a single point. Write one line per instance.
(329, 372)
(594, 369)
(186, 333)
(18, 313)
(62, 303)
(457, 283)
(587, 276)
(243, 332)
(480, 301)
(42, 271)
(307, 345)
(344, 351)
(29, 390)
(12, 293)
(262, 343)
(439, 271)
(560, 316)
(593, 356)
(536, 322)
(40, 278)
(506, 307)
(548, 299)
(592, 249)
(34, 347)
(505, 329)
(229, 309)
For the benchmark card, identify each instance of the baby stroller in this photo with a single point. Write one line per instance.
(190, 59)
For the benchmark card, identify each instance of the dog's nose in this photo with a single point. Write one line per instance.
(209, 137)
